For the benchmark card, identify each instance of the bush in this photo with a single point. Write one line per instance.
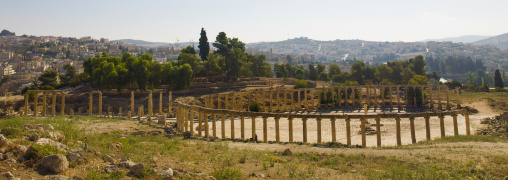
(499, 89)
(301, 84)
(254, 107)
(227, 173)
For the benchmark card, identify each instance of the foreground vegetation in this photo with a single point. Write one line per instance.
(437, 159)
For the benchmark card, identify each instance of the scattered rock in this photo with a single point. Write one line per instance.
(10, 160)
(116, 146)
(30, 152)
(137, 170)
(126, 164)
(59, 177)
(187, 135)
(287, 152)
(110, 159)
(110, 168)
(77, 177)
(21, 150)
(28, 126)
(260, 175)
(3, 140)
(55, 163)
(9, 155)
(50, 127)
(9, 175)
(168, 173)
(55, 135)
(76, 155)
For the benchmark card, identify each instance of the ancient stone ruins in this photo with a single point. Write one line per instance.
(297, 109)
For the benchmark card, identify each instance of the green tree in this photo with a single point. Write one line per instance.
(313, 75)
(70, 76)
(334, 70)
(5, 79)
(213, 65)
(358, 72)
(320, 68)
(416, 93)
(49, 78)
(192, 60)
(222, 44)
(498, 81)
(204, 46)
(323, 76)
(187, 50)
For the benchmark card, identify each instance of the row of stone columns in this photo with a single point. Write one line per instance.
(44, 102)
(186, 116)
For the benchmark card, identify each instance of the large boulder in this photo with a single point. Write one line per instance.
(55, 163)
(167, 174)
(32, 151)
(3, 140)
(77, 156)
(126, 164)
(137, 170)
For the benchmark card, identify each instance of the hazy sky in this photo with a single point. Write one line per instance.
(256, 20)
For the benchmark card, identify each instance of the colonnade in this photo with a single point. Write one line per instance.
(186, 115)
(54, 94)
(310, 99)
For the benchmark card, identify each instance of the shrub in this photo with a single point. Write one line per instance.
(254, 107)
(227, 173)
(301, 84)
(498, 89)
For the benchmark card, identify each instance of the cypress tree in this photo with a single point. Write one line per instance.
(498, 81)
(204, 46)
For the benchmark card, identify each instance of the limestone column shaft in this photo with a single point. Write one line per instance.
(439, 98)
(455, 126)
(382, 96)
(277, 135)
(398, 96)
(205, 116)
(265, 129)
(304, 129)
(100, 103)
(200, 121)
(431, 98)
(242, 127)
(290, 124)
(132, 101)
(253, 127)
(468, 128)
(348, 130)
(62, 108)
(160, 103)
(353, 95)
(423, 96)
(150, 105)
(223, 126)
(397, 124)
(362, 130)
(44, 103)
(427, 127)
(442, 126)
(375, 97)
(412, 126)
(232, 120)
(318, 129)
(90, 106)
(390, 93)
(214, 125)
(378, 130)
(35, 103)
(53, 104)
(334, 131)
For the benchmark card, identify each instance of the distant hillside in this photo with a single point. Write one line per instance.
(464, 39)
(500, 41)
(158, 44)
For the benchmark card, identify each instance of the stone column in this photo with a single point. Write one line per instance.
(200, 121)
(242, 126)
(277, 135)
(439, 98)
(339, 97)
(150, 106)
(290, 124)
(214, 125)
(226, 100)
(160, 104)
(468, 128)
(53, 104)
(305, 101)
(458, 97)
(455, 127)
(447, 99)
(367, 101)
(375, 96)
(414, 97)
(299, 101)
(35, 103)
(270, 101)
(254, 128)
(90, 106)
(62, 108)
(100, 103)
(334, 131)
(304, 129)
(390, 94)
(348, 130)
(265, 129)
(398, 97)
(223, 126)
(119, 112)
(346, 99)
(360, 95)
(26, 104)
(132, 101)
(232, 118)
(441, 125)
(378, 130)
(129, 114)
(427, 127)
(140, 113)
(353, 95)
(362, 130)
(234, 101)
(205, 116)
(397, 124)
(44, 103)
(431, 98)
(423, 95)
(382, 96)
(412, 126)
(405, 96)
(318, 119)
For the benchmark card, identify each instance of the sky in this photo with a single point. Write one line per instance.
(256, 20)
